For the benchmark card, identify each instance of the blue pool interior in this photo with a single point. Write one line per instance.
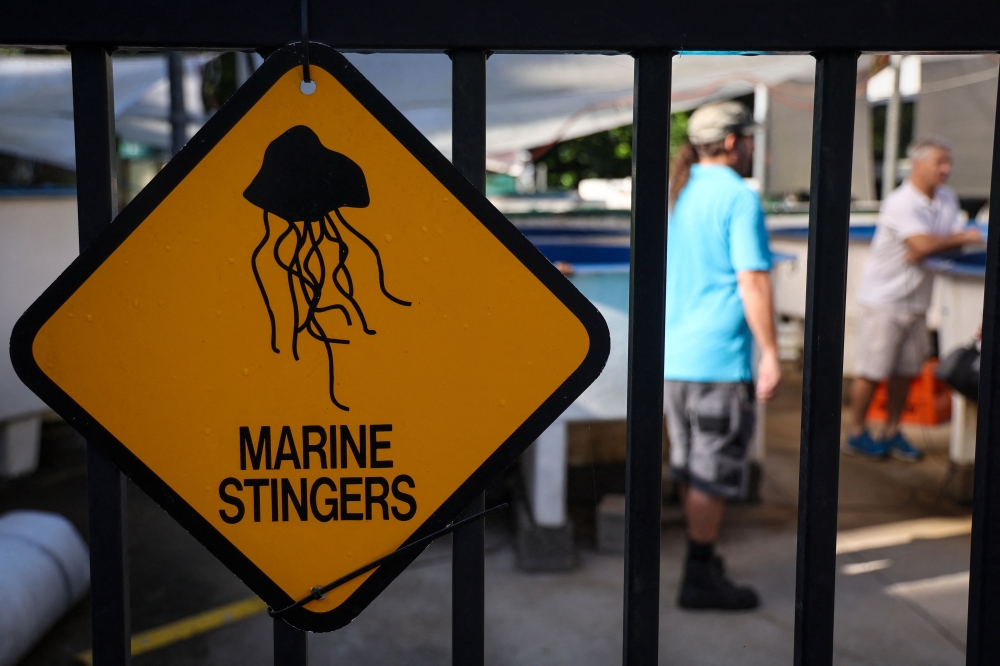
(600, 257)
(858, 232)
(600, 260)
(580, 245)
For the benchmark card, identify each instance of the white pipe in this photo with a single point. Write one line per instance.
(761, 102)
(44, 571)
(890, 155)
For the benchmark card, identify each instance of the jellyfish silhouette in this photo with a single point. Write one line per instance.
(303, 182)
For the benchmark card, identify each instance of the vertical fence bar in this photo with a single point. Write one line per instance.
(984, 580)
(823, 356)
(178, 114)
(468, 131)
(290, 645)
(97, 205)
(647, 291)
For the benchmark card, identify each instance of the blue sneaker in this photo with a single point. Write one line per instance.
(864, 445)
(902, 449)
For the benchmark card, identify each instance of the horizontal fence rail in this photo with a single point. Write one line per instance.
(554, 25)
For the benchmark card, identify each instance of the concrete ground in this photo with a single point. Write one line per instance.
(896, 604)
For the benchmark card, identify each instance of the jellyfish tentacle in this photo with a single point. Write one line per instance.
(330, 232)
(329, 364)
(378, 259)
(315, 329)
(314, 251)
(260, 282)
(337, 306)
(313, 287)
(317, 283)
(328, 343)
(293, 269)
(307, 282)
(293, 266)
(322, 276)
(347, 291)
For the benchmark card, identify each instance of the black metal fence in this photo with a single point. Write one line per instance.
(652, 31)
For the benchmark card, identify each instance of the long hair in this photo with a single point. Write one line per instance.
(687, 155)
(680, 172)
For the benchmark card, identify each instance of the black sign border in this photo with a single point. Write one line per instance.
(276, 66)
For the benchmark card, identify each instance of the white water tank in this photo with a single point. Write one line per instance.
(44, 571)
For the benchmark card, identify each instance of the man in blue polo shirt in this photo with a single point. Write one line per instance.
(718, 302)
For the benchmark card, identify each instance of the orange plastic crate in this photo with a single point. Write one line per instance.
(929, 401)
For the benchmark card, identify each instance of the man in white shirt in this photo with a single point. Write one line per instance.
(920, 218)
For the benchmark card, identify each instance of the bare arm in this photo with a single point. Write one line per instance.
(758, 306)
(924, 245)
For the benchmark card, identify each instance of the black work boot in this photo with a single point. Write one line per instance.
(705, 586)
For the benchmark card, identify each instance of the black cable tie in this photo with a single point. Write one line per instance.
(320, 591)
(305, 41)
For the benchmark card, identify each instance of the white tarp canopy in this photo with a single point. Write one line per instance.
(36, 104)
(957, 100)
(533, 100)
(538, 99)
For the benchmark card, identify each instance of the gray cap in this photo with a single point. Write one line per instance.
(713, 122)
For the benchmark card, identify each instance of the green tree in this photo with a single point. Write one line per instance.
(606, 154)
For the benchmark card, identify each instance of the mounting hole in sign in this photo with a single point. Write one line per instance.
(307, 87)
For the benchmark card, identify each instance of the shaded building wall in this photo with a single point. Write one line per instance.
(958, 102)
(790, 149)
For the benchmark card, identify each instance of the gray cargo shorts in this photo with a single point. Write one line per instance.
(710, 427)
(891, 343)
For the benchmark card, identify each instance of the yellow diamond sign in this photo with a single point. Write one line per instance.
(310, 339)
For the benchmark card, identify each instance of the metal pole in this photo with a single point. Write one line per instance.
(823, 357)
(468, 131)
(890, 155)
(178, 114)
(761, 113)
(97, 205)
(290, 645)
(647, 291)
(984, 579)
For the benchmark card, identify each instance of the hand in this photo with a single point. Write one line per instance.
(564, 267)
(768, 376)
(973, 235)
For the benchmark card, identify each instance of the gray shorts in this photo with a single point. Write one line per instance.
(710, 427)
(891, 343)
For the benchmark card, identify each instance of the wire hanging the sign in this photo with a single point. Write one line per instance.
(308, 86)
(318, 592)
